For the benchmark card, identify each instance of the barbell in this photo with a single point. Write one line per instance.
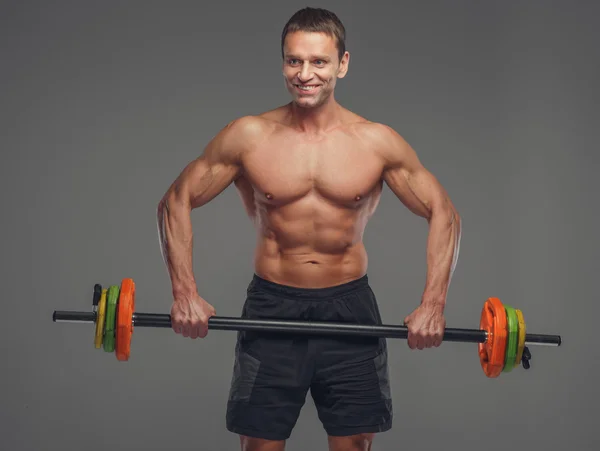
(502, 338)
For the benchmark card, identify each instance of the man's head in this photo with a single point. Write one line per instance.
(314, 55)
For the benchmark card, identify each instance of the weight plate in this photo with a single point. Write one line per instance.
(512, 323)
(492, 352)
(125, 319)
(522, 335)
(100, 317)
(111, 313)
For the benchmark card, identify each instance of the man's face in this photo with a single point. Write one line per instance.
(311, 67)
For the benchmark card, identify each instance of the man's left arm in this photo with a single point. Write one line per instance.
(420, 191)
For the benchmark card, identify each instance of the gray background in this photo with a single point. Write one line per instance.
(103, 103)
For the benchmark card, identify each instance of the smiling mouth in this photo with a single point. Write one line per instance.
(306, 88)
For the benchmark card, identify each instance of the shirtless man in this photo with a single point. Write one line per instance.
(310, 175)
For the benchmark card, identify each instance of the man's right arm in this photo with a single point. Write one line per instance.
(200, 181)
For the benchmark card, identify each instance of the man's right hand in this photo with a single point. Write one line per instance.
(190, 315)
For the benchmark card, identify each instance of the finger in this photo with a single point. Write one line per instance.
(204, 331)
(420, 342)
(185, 330)
(426, 338)
(177, 327)
(203, 328)
(194, 331)
(414, 342)
(411, 341)
(429, 340)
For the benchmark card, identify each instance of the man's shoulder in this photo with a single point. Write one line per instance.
(376, 132)
(248, 125)
(245, 133)
(382, 139)
(255, 126)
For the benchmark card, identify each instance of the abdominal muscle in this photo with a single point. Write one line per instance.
(310, 243)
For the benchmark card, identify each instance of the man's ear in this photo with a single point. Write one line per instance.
(344, 62)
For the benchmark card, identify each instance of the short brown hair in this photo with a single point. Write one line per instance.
(317, 20)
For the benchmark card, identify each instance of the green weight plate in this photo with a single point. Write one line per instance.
(111, 318)
(512, 325)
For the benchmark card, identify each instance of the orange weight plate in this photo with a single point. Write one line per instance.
(125, 319)
(492, 353)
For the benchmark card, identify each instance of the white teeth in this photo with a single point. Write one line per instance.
(307, 88)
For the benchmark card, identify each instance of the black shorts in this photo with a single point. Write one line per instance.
(272, 373)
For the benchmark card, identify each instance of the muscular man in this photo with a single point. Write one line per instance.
(310, 175)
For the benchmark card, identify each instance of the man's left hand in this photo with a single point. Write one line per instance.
(426, 326)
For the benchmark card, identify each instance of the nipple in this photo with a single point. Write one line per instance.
(358, 197)
(269, 196)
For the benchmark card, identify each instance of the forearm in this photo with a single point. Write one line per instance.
(443, 244)
(176, 243)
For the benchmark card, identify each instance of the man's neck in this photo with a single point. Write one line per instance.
(315, 120)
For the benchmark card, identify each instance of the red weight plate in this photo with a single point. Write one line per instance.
(492, 353)
(125, 319)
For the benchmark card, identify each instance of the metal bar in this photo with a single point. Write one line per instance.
(305, 327)
(61, 316)
(543, 340)
(308, 327)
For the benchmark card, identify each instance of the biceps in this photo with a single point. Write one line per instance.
(201, 181)
(417, 189)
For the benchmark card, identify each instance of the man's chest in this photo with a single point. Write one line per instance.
(341, 171)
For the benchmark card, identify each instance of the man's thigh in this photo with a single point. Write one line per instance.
(271, 376)
(351, 387)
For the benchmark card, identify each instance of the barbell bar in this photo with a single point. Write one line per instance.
(491, 337)
(161, 320)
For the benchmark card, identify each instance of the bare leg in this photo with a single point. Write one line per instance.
(360, 442)
(259, 444)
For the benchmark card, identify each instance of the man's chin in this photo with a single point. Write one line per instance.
(307, 103)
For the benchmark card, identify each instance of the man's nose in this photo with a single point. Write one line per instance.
(305, 73)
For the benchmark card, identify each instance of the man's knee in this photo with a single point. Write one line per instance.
(358, 442)
(259, 444)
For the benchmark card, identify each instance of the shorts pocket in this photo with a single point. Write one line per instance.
(380, 362)
(360, 307)
(245, 370)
